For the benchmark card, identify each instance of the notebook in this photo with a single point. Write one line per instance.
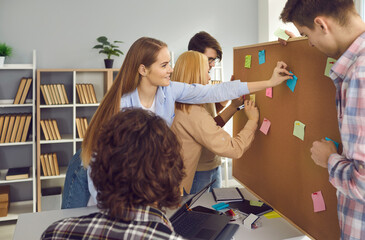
(245, 207)
(197, 225)
(227, 195)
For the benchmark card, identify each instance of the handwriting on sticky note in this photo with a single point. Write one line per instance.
(253, 97)
(280, 33)
(336, 143)
(299, 130)
(291, 83)
(329, 64)
(265, 126)
(248, 61)
(318, 202)
(256, 203)
(262, 57)
(269, 92)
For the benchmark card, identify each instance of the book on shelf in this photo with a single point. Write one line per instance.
(15, 128)
(51, 164)
(49, 130)
(85, 124)
(26, 91)
(78, 127)
(58, 135)
(44, 130)
(10, 128)
(53, 94)
(80, 96)
(60, 93)
(58, 97)
(93, 93)
(55, 163)
(4, 193)
(48, 94)
(227, 194)
(44, 166)
(86, 95)
(2, 118)
(26, 128)
(17, 173)
(83, 127)
(48, 167)
(18, 137)
(44, 95)
(64, 93)
(5, 128)
(21, 86)
(90, 92)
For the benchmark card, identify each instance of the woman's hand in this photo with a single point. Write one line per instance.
(280, 74)
(251, 110)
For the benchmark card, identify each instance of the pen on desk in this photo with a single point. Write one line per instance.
(241, 107)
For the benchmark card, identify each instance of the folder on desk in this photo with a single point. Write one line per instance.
(245, 207)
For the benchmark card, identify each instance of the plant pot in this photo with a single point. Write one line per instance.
(2, 60)
(108, 63)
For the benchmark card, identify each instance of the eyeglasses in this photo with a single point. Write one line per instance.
(211, 60)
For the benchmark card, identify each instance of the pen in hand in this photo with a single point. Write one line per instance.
(241, 107)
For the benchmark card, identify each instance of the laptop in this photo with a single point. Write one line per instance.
(197, 225)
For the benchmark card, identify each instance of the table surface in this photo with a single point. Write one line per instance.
(32, 225)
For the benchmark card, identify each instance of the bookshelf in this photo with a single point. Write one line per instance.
(65, 115)
(16, 153)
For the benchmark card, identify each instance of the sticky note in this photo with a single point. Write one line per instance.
(256, 203)
(272, 214)
(318, 202)
(299, 130)
(280, 33)
(248, 61)
(329, 64)
(336, 143)
(269, 92)
(261, 56)
(253, 97)
(265, 126)
(292, 82)
(247, 223)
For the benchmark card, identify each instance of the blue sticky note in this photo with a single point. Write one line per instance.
(336, 143)
(261, 56)
(292, 82)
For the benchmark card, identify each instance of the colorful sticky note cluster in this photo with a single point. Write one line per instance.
(262, 58)
(318, 202)
(280, 33)
(299, 130)
(248, 61)
(265, 126)
(292, 82)
(329, 64)
(269, 92)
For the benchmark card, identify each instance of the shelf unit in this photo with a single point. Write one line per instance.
(65, 116)
(18, 154)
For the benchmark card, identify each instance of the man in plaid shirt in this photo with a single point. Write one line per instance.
(137, 172)
(336, 29)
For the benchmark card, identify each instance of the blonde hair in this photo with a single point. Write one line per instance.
(143, 51)
(191, 67)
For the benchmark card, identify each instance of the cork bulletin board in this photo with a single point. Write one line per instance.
(278, 167)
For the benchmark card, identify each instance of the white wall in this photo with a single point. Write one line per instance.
(64, 32)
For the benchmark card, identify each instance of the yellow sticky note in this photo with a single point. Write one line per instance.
(256, 203)
(272, 214)
(299, 130)
(253, 97)
(329, 64)
(248, 61)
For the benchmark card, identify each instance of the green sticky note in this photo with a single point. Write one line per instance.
(329, 64)
(248, 61)
(256, 203)
(280, 33)
(299, 130)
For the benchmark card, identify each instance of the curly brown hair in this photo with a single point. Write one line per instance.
(137, 163)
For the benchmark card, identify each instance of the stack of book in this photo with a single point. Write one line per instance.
(50, 129)
(23, 90)
(54, 94)
(17, 173)
(14, 127)
(86, 93)
(81, 125)
(49, 164)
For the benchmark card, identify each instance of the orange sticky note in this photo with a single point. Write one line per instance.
(269, 92)
(265, 126)
(318, 202)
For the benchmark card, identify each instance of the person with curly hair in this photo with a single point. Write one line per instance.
(137, 170)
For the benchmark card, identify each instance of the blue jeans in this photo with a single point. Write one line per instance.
(75, 190)
(202, 178)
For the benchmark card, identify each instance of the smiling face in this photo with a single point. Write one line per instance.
(212, 55)
(158, 74)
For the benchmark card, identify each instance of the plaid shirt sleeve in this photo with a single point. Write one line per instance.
(347, 171)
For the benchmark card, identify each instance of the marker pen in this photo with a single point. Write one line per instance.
(241, 107)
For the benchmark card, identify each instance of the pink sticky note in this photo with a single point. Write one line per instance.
(269, 92)
(265, 126)
(318, 202)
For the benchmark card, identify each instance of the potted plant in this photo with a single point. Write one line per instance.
(5, 51)
(109, 49)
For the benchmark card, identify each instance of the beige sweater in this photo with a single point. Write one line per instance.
(197, 129)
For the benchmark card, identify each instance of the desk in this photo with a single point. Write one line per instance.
(31, 225)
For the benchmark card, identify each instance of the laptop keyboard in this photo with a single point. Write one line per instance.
(187, 222)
